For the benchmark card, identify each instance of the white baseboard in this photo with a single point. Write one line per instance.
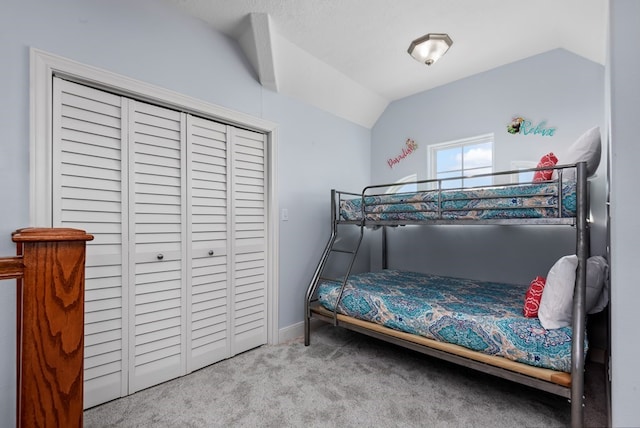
(291, 332)
(294, 331)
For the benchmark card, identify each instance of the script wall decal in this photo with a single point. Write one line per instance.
(520, 125)
(410, 147)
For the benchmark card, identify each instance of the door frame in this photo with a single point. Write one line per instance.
(43, 66)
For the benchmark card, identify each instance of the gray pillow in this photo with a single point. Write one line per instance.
(597, 284)
(556, 304)
(587, 148)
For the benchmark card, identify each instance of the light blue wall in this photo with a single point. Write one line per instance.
(153, 43)
(563, 89)
(624, 63)
(322, 153)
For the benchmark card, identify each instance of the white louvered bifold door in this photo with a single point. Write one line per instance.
(176, 274)
(248, 240)
(158, 228)
(209, 307)
(89, 180)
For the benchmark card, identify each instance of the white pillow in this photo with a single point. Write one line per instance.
(597, 284)
(556, 304)
(588, 149)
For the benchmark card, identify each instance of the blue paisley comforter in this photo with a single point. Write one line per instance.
(535, 200)
(479, 315)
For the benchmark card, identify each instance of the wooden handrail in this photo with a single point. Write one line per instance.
(50, 305)
(11, 268)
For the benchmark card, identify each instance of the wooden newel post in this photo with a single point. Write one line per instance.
(51, 327)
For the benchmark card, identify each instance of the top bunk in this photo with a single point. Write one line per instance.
(561, 199)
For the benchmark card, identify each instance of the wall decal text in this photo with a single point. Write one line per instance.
(520, 125)
(411, 147)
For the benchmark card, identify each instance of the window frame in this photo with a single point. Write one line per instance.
(462, 143)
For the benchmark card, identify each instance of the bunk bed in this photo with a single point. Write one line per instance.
(392, 305)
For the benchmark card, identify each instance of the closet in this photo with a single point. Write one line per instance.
(176, 274)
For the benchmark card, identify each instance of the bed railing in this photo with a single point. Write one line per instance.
(375, 197)
(49, 269)
(496, 178)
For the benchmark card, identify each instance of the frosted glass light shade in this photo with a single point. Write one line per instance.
(429, 48)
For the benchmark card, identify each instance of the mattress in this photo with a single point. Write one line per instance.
(479, 315)
(532, 200)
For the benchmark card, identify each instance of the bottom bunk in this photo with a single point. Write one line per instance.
(475, 323)
(552, 381)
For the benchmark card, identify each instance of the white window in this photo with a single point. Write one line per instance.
(525, 176)
(405, 185)
(467, 157)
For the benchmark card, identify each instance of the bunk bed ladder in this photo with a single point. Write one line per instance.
(354, 254)
(318, 274)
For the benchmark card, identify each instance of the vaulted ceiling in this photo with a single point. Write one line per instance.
(350, 56)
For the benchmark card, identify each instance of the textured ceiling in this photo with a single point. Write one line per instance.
(366, 40)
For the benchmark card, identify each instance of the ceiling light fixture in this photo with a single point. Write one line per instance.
(429, 48)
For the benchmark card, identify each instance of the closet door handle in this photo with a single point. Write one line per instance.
(211, 252)
(160, 256)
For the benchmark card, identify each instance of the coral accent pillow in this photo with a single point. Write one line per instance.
(532, 297)
(547, 160)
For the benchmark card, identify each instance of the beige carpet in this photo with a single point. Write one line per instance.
(343, 379)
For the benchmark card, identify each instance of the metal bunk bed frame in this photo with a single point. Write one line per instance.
(574, 392)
